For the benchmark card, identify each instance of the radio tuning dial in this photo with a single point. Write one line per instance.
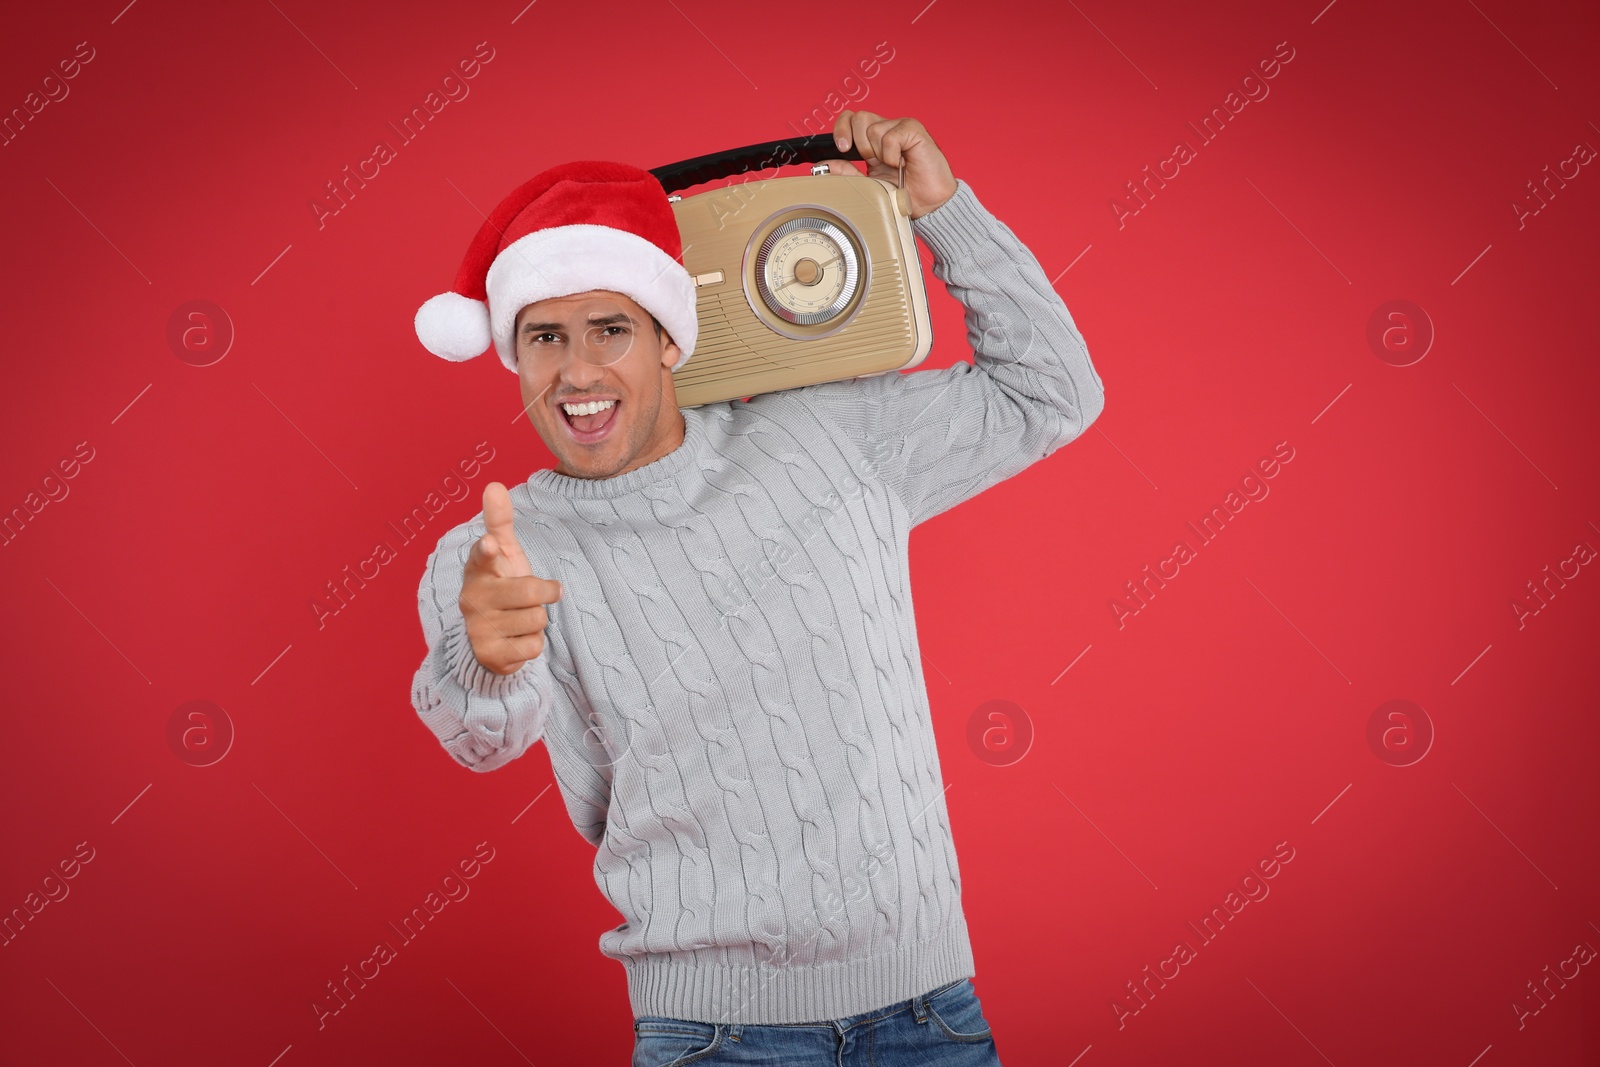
(807, 270)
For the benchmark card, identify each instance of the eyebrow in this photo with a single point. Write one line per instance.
(602, 320)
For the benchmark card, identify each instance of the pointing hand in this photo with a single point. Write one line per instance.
(502, 600)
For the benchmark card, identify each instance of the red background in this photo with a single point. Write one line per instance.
(1228, 715)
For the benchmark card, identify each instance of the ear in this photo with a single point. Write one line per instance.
(669, 351)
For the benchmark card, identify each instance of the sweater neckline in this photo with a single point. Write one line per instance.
(666, 468)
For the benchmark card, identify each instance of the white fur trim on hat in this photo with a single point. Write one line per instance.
(453, 326)
(563, 260)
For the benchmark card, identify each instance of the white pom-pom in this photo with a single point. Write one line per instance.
(453, 326)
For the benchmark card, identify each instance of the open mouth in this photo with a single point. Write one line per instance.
(590, 425)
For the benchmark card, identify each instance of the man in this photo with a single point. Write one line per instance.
(706, 614)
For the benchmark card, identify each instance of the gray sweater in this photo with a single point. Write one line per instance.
(731, 691)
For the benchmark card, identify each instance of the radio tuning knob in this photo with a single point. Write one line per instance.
(809, 270)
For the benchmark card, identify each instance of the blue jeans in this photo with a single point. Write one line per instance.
(941, 1028)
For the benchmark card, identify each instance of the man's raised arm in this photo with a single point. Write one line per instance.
(939, 437)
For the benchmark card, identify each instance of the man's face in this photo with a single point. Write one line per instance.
(598, 346)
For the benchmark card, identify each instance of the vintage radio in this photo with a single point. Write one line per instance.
(804, 279)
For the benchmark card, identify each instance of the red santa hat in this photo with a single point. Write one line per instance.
(575, 227)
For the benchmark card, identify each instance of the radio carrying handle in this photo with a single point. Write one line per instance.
(809, 149)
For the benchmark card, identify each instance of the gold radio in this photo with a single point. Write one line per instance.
(800, 280)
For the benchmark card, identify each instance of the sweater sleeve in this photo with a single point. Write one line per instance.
(484, 720)
(939, 437)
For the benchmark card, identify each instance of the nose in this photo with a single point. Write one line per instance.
(579, 373)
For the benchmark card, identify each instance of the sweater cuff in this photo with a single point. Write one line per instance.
(958, 225)
(474, 677)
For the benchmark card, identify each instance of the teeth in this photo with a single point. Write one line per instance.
(587, 409)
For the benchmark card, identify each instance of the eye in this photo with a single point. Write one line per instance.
(539, 337)
(624, 329)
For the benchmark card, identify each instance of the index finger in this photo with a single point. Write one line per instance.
(857, 125)
(514, 594)
(529, 590)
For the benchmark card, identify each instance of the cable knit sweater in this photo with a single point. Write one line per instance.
(731, 691)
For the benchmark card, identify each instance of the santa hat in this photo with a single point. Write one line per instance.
(575, 227)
